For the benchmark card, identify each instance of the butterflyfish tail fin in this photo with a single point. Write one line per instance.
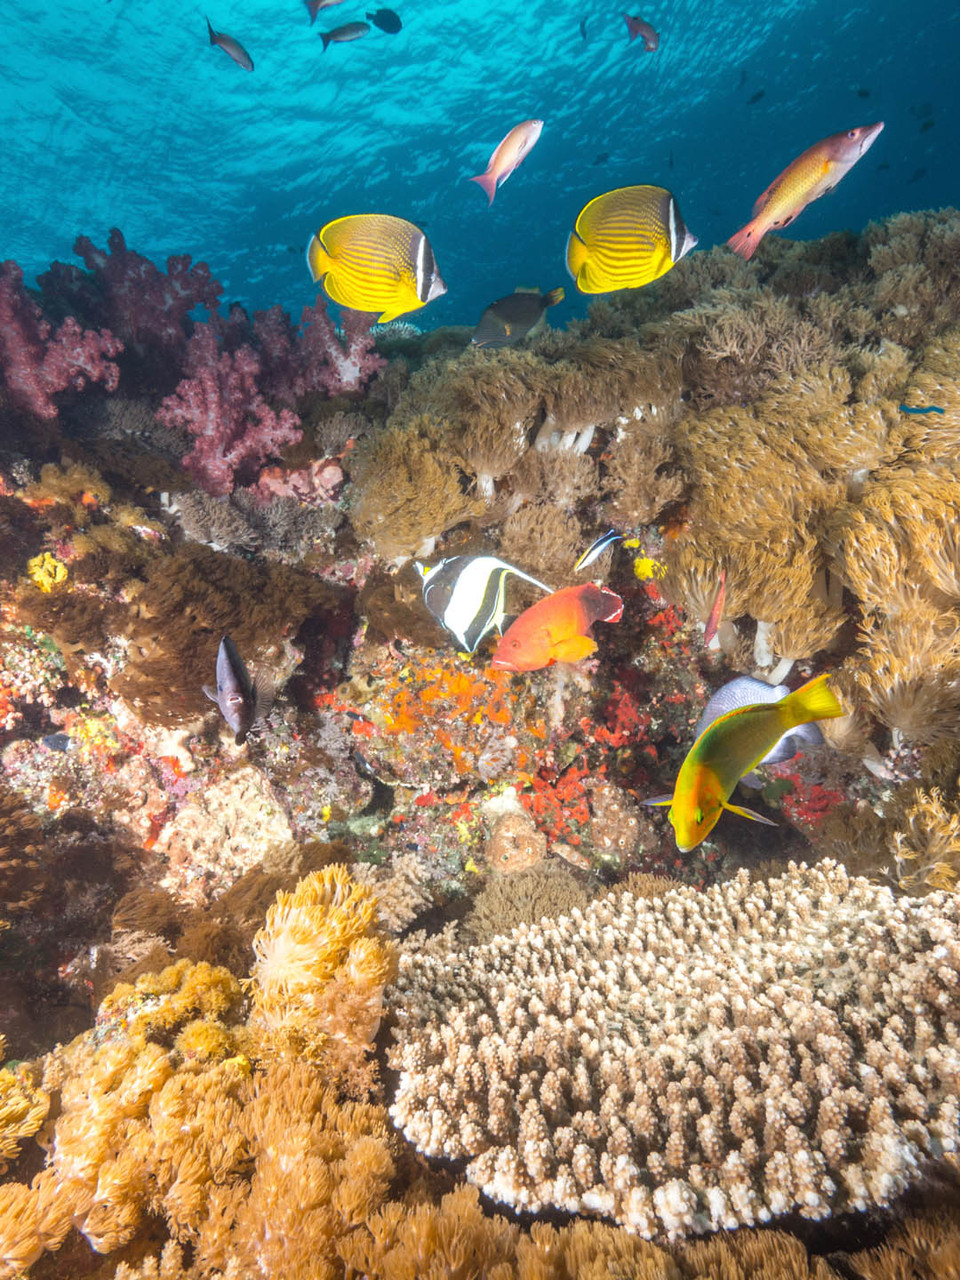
(749, 813)
(814, 700)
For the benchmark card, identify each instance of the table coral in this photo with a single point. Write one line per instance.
(697, 1061)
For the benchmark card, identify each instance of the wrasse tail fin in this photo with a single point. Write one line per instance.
(814, 700)
(749, 813)
(744, 242)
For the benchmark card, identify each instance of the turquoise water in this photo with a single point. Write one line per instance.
(120, 113)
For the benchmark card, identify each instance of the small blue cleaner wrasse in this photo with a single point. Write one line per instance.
(376, 263)
(729, 748)
(627, 238)
(466, 595)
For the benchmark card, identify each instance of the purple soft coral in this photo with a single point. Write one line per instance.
(219, 403)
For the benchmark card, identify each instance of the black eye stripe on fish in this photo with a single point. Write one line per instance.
(466, 595)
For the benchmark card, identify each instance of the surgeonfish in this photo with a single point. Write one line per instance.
(386, 20)
(557, 629)
(626, 238)
(811, 175)
(466, 595)
(728, 748)
(242, 701)
(232, 48)
(507, 155)
(314, 6)
(375, 262)
(637, 27)
(597, 548)
(342, 35)
(519, 315)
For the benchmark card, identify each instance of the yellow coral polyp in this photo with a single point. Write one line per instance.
(646, 568)
(46, 572)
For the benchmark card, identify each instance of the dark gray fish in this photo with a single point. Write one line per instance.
(583, 28)
(466, 595)
(917, 175)
(742, 692)
(232, 48)
(349, 31)
(386, 20)
(863, 93)
(601, 158)
(242, 701)
(511, 319)
(927, 124)
(755, 97)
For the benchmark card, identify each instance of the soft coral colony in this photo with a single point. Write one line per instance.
(678, 1059)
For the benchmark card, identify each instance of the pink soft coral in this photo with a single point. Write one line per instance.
(220, 404)
(37, 362)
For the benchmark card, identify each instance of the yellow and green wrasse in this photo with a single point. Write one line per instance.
(729, 748)
(376, 263)
(627, 238)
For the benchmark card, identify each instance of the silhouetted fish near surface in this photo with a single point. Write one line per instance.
(232, 48)
(755, 97)
(242, 701)
(602, 158)
(927, 124)
(863, 93)
(884, 164)
(637, 27)
(342, 35)
(466, 595)
(386, 20)
(517, 316)
(583, 28)
(314, 7)
(917, 175)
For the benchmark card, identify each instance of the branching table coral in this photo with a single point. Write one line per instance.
(701, 1061)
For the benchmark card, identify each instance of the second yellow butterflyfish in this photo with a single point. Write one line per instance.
(627, 238)
(375, 262)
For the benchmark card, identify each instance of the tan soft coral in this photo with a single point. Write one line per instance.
(320, 970)
(407, 489)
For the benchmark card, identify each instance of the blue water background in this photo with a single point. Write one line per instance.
(119, 112)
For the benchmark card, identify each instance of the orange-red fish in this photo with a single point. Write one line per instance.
(557, 628)
(521, 139)
(807, 178)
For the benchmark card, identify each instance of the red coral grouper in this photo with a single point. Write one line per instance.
(557, 628)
